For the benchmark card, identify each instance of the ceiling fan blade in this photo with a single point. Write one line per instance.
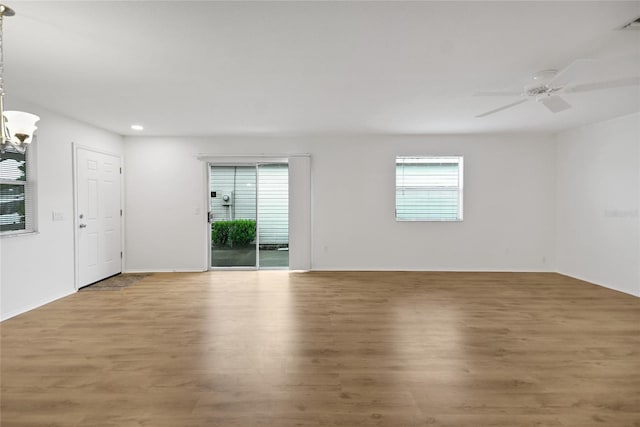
(504, 107)
(498, 93)
(555, 104)
(609, 84)
(569, 72)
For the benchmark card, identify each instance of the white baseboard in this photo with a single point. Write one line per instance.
(34, 305)
(459, 270)
(611, 287)
(163, 270)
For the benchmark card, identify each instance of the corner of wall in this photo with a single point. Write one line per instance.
(598, 201)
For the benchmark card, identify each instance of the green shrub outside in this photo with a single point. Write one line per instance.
(239, 232)
(242, 232)
(220, 232)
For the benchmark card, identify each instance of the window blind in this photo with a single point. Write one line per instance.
(16, 193)
(429, 188)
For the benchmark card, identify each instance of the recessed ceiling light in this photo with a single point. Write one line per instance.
(137, 127)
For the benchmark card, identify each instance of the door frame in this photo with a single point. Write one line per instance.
(300, 203)
(76, 222)
(209, 258)
(258, 164)
(253, 161)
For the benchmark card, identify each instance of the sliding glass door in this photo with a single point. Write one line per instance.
(273, 215)
(233, 216)
(249, 215)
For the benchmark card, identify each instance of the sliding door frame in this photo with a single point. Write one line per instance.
(210, 258)
(300, 203)
(243, 162)
(258, 164)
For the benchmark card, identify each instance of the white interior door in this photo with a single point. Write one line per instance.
(99, 243)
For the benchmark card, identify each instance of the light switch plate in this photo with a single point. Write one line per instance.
(58, 216)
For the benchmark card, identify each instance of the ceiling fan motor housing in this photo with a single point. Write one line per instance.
(542, 83)
(538, 90)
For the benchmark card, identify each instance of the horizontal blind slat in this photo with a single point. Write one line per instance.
(428, 189)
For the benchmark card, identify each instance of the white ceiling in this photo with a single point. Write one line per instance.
(205, 67)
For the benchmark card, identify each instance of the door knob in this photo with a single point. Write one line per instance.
(83, 225)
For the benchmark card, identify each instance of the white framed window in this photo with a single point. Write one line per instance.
(16, 193)
(429, 188)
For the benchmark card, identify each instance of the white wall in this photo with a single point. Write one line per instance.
(598, 203)
(165, 205)
(38, 268)
(509, 202)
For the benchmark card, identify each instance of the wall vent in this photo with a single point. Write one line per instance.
(633, 25)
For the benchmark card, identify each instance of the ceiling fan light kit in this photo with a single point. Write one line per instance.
(16, 127)
(554, 103)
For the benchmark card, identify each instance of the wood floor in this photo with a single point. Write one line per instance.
(279, 349)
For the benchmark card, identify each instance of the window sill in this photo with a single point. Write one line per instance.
(10, 234)
(429, 220)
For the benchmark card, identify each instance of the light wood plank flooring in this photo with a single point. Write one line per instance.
(279, 349)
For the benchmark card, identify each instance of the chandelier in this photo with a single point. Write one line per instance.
(17, 127)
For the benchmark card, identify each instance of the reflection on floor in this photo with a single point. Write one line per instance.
(327, 349)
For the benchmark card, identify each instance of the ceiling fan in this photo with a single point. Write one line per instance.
(546, 86)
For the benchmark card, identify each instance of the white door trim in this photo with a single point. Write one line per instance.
(75, 147)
